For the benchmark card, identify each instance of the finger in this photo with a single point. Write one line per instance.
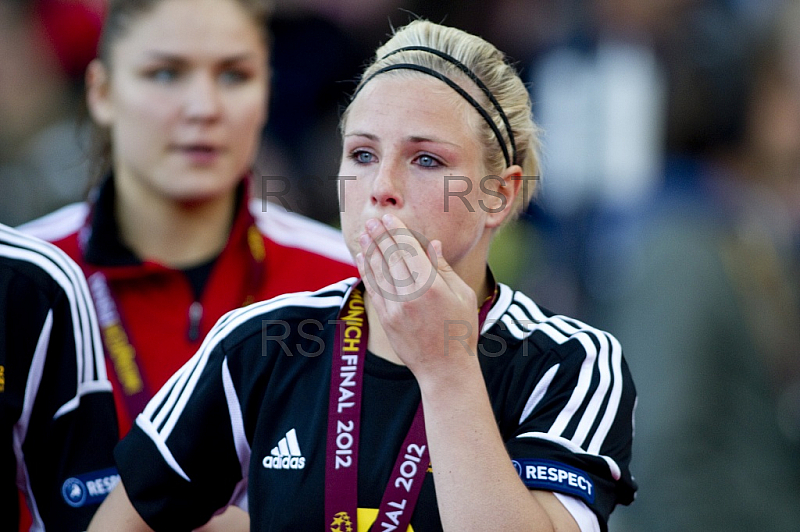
(375, 296)
(372, 259)
(401, 232)
(397, 250)
(413, 249)
(436, 256)
(434, 251)
(381, 275)
(448, 275)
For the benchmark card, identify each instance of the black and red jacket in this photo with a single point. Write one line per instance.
(270, 251)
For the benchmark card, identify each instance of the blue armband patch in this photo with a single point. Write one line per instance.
(89, 488)
(554, 476)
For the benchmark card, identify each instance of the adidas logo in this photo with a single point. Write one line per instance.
(286, 455)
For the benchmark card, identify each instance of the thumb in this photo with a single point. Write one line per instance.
(453, 281)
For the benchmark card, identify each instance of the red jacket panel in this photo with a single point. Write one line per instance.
(269, 252)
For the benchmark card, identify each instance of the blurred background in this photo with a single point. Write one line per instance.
(668, 212)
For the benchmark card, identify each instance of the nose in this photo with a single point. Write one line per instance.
(388, 185)
(203, 98)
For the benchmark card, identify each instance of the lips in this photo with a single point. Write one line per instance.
(199, 154)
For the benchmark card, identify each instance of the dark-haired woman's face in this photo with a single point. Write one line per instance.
(185, 98)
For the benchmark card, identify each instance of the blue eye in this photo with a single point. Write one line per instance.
(164, 75)
(428, 161)
(233, 77)
(363, 157)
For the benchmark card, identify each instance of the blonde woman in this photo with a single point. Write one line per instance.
(425, 395)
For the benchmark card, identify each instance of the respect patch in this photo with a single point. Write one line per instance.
(554, 476)
(89, 488)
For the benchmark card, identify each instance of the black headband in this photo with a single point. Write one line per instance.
(438, 75)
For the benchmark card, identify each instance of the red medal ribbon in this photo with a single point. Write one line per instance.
(344, 424)
(344, 414)
(118, 348)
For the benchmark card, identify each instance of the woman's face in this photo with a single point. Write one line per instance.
(410, 149)
(184, 97)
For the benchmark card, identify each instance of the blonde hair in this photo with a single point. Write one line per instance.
(511, 108)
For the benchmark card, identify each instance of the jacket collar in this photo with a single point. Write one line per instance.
(102, 245)
(100, 240)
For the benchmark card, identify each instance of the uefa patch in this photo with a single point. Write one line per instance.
(89, 488)
(554, 476)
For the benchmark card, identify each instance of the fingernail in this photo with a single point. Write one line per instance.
(363, 240)
(388, 220)
(372, 224)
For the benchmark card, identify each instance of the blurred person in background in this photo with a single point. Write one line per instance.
(171, 238)
(45, 46)
(599, 87)
(702, 287)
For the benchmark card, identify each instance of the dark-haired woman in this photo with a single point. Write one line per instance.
(171, 238)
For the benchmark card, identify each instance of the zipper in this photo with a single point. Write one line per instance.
(195, 315)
